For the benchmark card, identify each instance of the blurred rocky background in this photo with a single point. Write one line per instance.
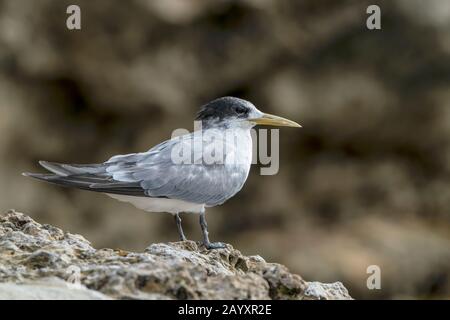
(365, 182)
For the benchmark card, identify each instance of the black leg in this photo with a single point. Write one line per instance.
(204, 226)
(179, 227)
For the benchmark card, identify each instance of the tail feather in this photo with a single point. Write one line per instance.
(92, 177)
(63, 169)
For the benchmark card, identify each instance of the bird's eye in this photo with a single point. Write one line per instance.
(240, 110)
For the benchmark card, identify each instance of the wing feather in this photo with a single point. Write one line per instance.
(153, 174)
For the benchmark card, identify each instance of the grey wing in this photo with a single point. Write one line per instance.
(151, 174)
(159, 176)
(91, 177)
(95, 177)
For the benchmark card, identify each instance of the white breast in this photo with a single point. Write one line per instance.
(238, 146)
(160, 204)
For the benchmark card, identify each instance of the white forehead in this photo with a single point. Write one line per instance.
(254, 112)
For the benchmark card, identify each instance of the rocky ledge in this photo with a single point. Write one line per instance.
(39, 261)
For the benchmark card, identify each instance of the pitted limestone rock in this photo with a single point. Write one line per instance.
(32, 256)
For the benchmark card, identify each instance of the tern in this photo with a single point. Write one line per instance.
(214, 166)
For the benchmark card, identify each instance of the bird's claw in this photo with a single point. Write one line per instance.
(214, 245)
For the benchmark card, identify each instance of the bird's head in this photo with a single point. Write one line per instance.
(235, 112)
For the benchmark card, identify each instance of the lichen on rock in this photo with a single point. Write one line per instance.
(39, 261)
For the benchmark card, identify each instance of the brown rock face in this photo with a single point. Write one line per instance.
(43, 262)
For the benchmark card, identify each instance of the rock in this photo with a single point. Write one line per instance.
(52, 288)
(325, 291)
(43, 262)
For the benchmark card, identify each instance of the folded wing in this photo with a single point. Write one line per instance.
(150, 174)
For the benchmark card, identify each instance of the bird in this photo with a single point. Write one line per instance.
(185, 174)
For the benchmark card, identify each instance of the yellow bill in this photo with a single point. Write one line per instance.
(272, 120)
